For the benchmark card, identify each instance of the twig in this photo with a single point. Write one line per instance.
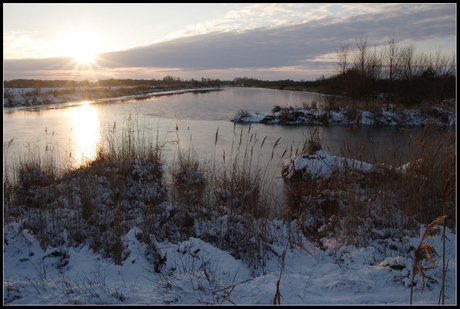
(277, 298)
(228, 295)
(441, 292)
(301, 247)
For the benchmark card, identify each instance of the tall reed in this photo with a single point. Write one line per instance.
(90, 203)
(228, 199)
(351, 204)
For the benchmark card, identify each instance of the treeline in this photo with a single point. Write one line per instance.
(278, 84)
(397, 71)
(38, 83)
(167, 80)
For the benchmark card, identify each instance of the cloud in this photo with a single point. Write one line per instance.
(219, 45)
(17, 44)
(285, 45)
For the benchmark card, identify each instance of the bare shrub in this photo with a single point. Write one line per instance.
(313, 104)
(330, 102)
(276, 109)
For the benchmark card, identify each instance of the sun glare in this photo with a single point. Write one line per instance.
(85, 130)
(84, 56)
(83, 53)
(80, 46)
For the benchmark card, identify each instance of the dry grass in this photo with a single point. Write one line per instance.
(433, 150)
(425, 254)
(351, 205)
(313, 142)
(124, 186)
(189, 181)
(90, 203)
(239, 187)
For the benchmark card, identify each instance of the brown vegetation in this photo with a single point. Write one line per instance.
(229, 200)
(385, 199)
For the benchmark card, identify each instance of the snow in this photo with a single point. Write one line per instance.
(167, 267)
(190, 270)
(345, 275)
(319, 116)
(17, 97)
(321, 164)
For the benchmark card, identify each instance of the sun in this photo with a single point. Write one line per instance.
(81, 47)
(82, 51)
(84, 55)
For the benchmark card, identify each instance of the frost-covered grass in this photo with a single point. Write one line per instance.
(127, 228)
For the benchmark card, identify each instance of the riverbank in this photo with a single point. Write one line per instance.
(24, 97)
(116, 231)
(88, 239)
(348, 116)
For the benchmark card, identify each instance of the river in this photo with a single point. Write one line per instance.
(73, 130)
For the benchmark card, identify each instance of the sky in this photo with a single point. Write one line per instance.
(265, 41)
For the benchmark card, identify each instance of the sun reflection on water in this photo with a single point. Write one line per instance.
(85, 133)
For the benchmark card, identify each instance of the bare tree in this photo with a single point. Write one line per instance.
(373, 69)
(342, 57)
(367, 69)
(355, 75)
(360, 56)
(403, 74)
(409, 62)
(391, 57)
(409, 71)
(437, 70)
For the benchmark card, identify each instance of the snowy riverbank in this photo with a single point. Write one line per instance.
(376, 275)
(170, 253)
(341, 116)
(17, 97)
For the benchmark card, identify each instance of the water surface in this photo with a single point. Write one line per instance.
(74, 130)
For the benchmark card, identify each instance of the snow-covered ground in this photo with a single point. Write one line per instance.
(15, 97)
(194, 271)
(319, 116)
